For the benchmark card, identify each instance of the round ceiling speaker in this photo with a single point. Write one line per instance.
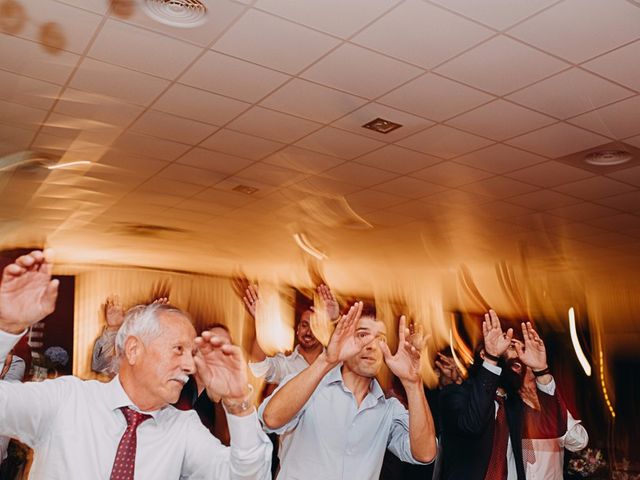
(608, 158)
(177, 13)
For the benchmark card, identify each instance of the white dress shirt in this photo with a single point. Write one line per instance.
(332, 438)
(549, 452)
(275, 369)
(549, 389)
(75, 426)
(14, 374)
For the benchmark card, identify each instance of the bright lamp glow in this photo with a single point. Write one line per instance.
(576, 343)
(68, 164)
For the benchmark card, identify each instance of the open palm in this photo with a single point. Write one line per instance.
(405, 364)
(221, 366)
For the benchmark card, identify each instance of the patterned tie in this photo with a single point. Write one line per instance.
(125, 461)
(498, 463)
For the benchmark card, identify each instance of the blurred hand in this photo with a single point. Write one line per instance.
(533, 354)
(329, 302)
(449, 372)
(405, 364)
(27, 292)
(495, 341)
(343, 343)
(251, 300)
(114, 312)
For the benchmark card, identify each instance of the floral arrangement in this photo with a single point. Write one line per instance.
(587, 462)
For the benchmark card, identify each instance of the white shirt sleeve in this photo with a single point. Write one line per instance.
(576, 437)
(273, 369)
(7, 342)
(492, 368)
(549, 388)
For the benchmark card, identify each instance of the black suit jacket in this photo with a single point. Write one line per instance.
(468, 422)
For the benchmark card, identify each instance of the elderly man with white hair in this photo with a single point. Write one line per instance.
(126, 428)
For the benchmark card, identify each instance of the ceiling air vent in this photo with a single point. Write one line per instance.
(604, 159)
(246, 189)
(177, 13)
(607, 158)
(381, 125)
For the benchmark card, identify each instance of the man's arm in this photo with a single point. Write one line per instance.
(287, 401)
(405, 364)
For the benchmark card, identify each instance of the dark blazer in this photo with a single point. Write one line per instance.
(468, 422)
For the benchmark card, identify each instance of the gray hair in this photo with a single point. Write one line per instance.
(143, 321)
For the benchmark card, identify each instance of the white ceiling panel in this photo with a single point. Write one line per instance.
(435, 97)
(558, 140)
(359, 174)
(409, 187)
(619, 120)
(273, 125)
(567, 29)
(266, 40)
(594, 188)
(97, 107)
(360, 71)
(166, 126)
(241, 144)
(232, 77)
(499, 187)
(214, 161)
(444, 142)
(501, 65)
(621, 65)
(303, 160)
(550, 174)
(335, 17)
(138, 144)
(312, 101)
(450, 174)
(339, 143)
(27, 91)
(397, 159)
(424, 34)
(500, 158)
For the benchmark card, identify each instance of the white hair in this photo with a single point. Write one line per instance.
(142, 321)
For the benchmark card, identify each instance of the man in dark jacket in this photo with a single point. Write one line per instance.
(484, 420)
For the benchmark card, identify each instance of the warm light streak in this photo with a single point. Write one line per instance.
(604, 386)
(576, 343)
(69, 164)
(459, 364)
(274, 325)
(465, 351)
(304, 244)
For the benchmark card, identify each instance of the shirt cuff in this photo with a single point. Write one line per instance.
(492, 368)
(549, 388)
(245, 431)
(7, 342)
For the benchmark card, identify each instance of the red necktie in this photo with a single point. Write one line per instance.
(498, 463)
(125, 462)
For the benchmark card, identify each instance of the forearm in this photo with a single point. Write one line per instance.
(287, 401)
(257, 354)
(422, 435)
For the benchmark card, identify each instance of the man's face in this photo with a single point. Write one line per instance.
(514, 370)
(306, 338)
(369, 361)
(165, 362)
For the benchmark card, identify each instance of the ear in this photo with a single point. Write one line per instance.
(482, 354)
(133, 348)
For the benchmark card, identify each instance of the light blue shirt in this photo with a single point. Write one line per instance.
(334, 439)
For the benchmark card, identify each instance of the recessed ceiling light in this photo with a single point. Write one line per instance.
(607, 158)
(58, 166)
(177, 13)
(247, 190)
(381, 125)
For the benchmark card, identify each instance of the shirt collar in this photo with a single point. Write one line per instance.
(335, 376)
(116, 397)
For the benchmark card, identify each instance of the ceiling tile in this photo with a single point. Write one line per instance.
(335, 17)
(100, 108)
(266, 40)
(312, 101)
(23, 57)
(434, 97)
(628, 175)
(319, 185)
(417, 209)
(150, 146)
(339, 143)
(142, 50)
(500, 158)
(168, 185)
(627, 202)
(397, 159)
(369, 200)
(634, 141)
(444, 142)
(543, 200)
(498, 14)
(409, 187)
(262, 188)
(580, 212)
(273, 125)
(224, 197)
(231, 77)
(128, 165)
(450, 174)
(214, 161)
(208, 207)
(240, 144)
(355, 121)
(550, 174)
(621, 65)
(423, 34)
(557, 30)
(381, 218)
(503, 210)
(498, 187)
(558, 140)
(14, 139)
(102, 78)
(302, 160)
(618, 121)
(75, 26)
(500, 120)
(570, 93)
(199, 105)
(167, 126)
(271, 175)
(610, 239)
(619, 222)
(223, 14)
(453, 199)
(594, 188)
(501, 66)
(20, 116)
(196, 176)
(360, 71)
(27, 91)
(359, 174)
